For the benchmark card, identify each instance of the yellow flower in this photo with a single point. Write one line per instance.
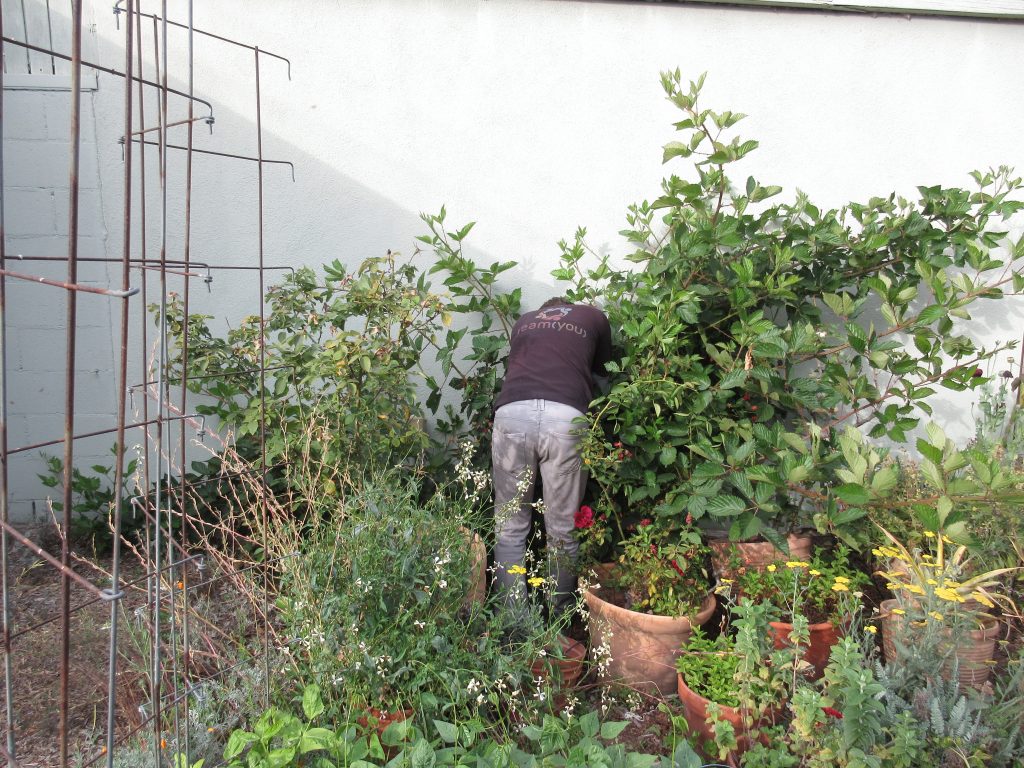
(517, 570)
(913, 588)
(932, 582)
(935, 615)
(837, 587)
(871, 628)
(897, 611)
(982, 598)
(796, 564)
(893, 586)
(950, 595)
(726, 581)
(771, 568)
(950, 583)
(946, 539)
(842, 580)
(535, 581)
(929, 534)
(814, 572)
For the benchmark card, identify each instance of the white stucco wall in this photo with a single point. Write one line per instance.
(535, 116)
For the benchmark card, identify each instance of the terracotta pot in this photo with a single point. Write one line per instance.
(756, 554)
(478, 570)
(823, 637)
(975, 650)
(695, 708)
(568, 669)
(642, 647)
(379, 720)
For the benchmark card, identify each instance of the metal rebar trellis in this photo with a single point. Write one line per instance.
(165, 424)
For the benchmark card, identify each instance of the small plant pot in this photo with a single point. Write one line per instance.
(756, 554)
(379, 720)
(567, 670)
(638, 649)
(974, 652)
(701, 731)
(822, 637)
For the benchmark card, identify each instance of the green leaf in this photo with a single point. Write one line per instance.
(667, 456)
(312, 704)
(237, 742)
(590, 724)
(316, 738)
(448, 732)
(725, 505)
(610, 731)
(422, 755)
(852, 493)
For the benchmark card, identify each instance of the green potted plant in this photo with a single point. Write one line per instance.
(647, 603)
(732, 688)
(754, 337)
(826, 590)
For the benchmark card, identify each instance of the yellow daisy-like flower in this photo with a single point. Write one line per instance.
(796, 564)
(842, 580)
(946, 539)
(726, 581)
(950, 583)
(837, 587)
(871, 628)
(517, 570)
(950, 595)
(982, 598)
(935, 615)
(913, 588)
(771, 568)
(535, 581)
(814, 572)
(930, 534)
(893, 586)
(932, 582)
(897, 611)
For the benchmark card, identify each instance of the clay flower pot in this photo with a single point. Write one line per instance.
(756, 554)
(823, 637)
(642, 647)
(568, 669)
(974, 651)
(695, 707)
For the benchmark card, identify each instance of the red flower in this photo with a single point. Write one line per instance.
(675, 565)
(832, 712)
(584, 517)
(689, 519)
(978, 373)
(645, 522)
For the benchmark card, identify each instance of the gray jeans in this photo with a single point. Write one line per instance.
(531, 436)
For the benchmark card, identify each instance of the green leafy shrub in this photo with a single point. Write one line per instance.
(752, 336)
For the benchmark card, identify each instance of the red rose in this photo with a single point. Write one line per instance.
(832, 712)
(584, 517)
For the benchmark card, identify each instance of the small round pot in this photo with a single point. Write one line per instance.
(974, 651)
(642, 647)
(823, 637)
(568, 669)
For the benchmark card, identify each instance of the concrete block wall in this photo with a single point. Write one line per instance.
(36, 203)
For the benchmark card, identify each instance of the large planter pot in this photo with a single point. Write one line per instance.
(822, 637)
(695, 708)
(756, 554)
(638, 649)
(974, 651)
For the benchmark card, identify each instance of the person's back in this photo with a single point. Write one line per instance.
(555, 353)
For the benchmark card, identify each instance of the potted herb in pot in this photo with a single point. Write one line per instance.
(826, 590)
(732, 688)
(647, 604)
